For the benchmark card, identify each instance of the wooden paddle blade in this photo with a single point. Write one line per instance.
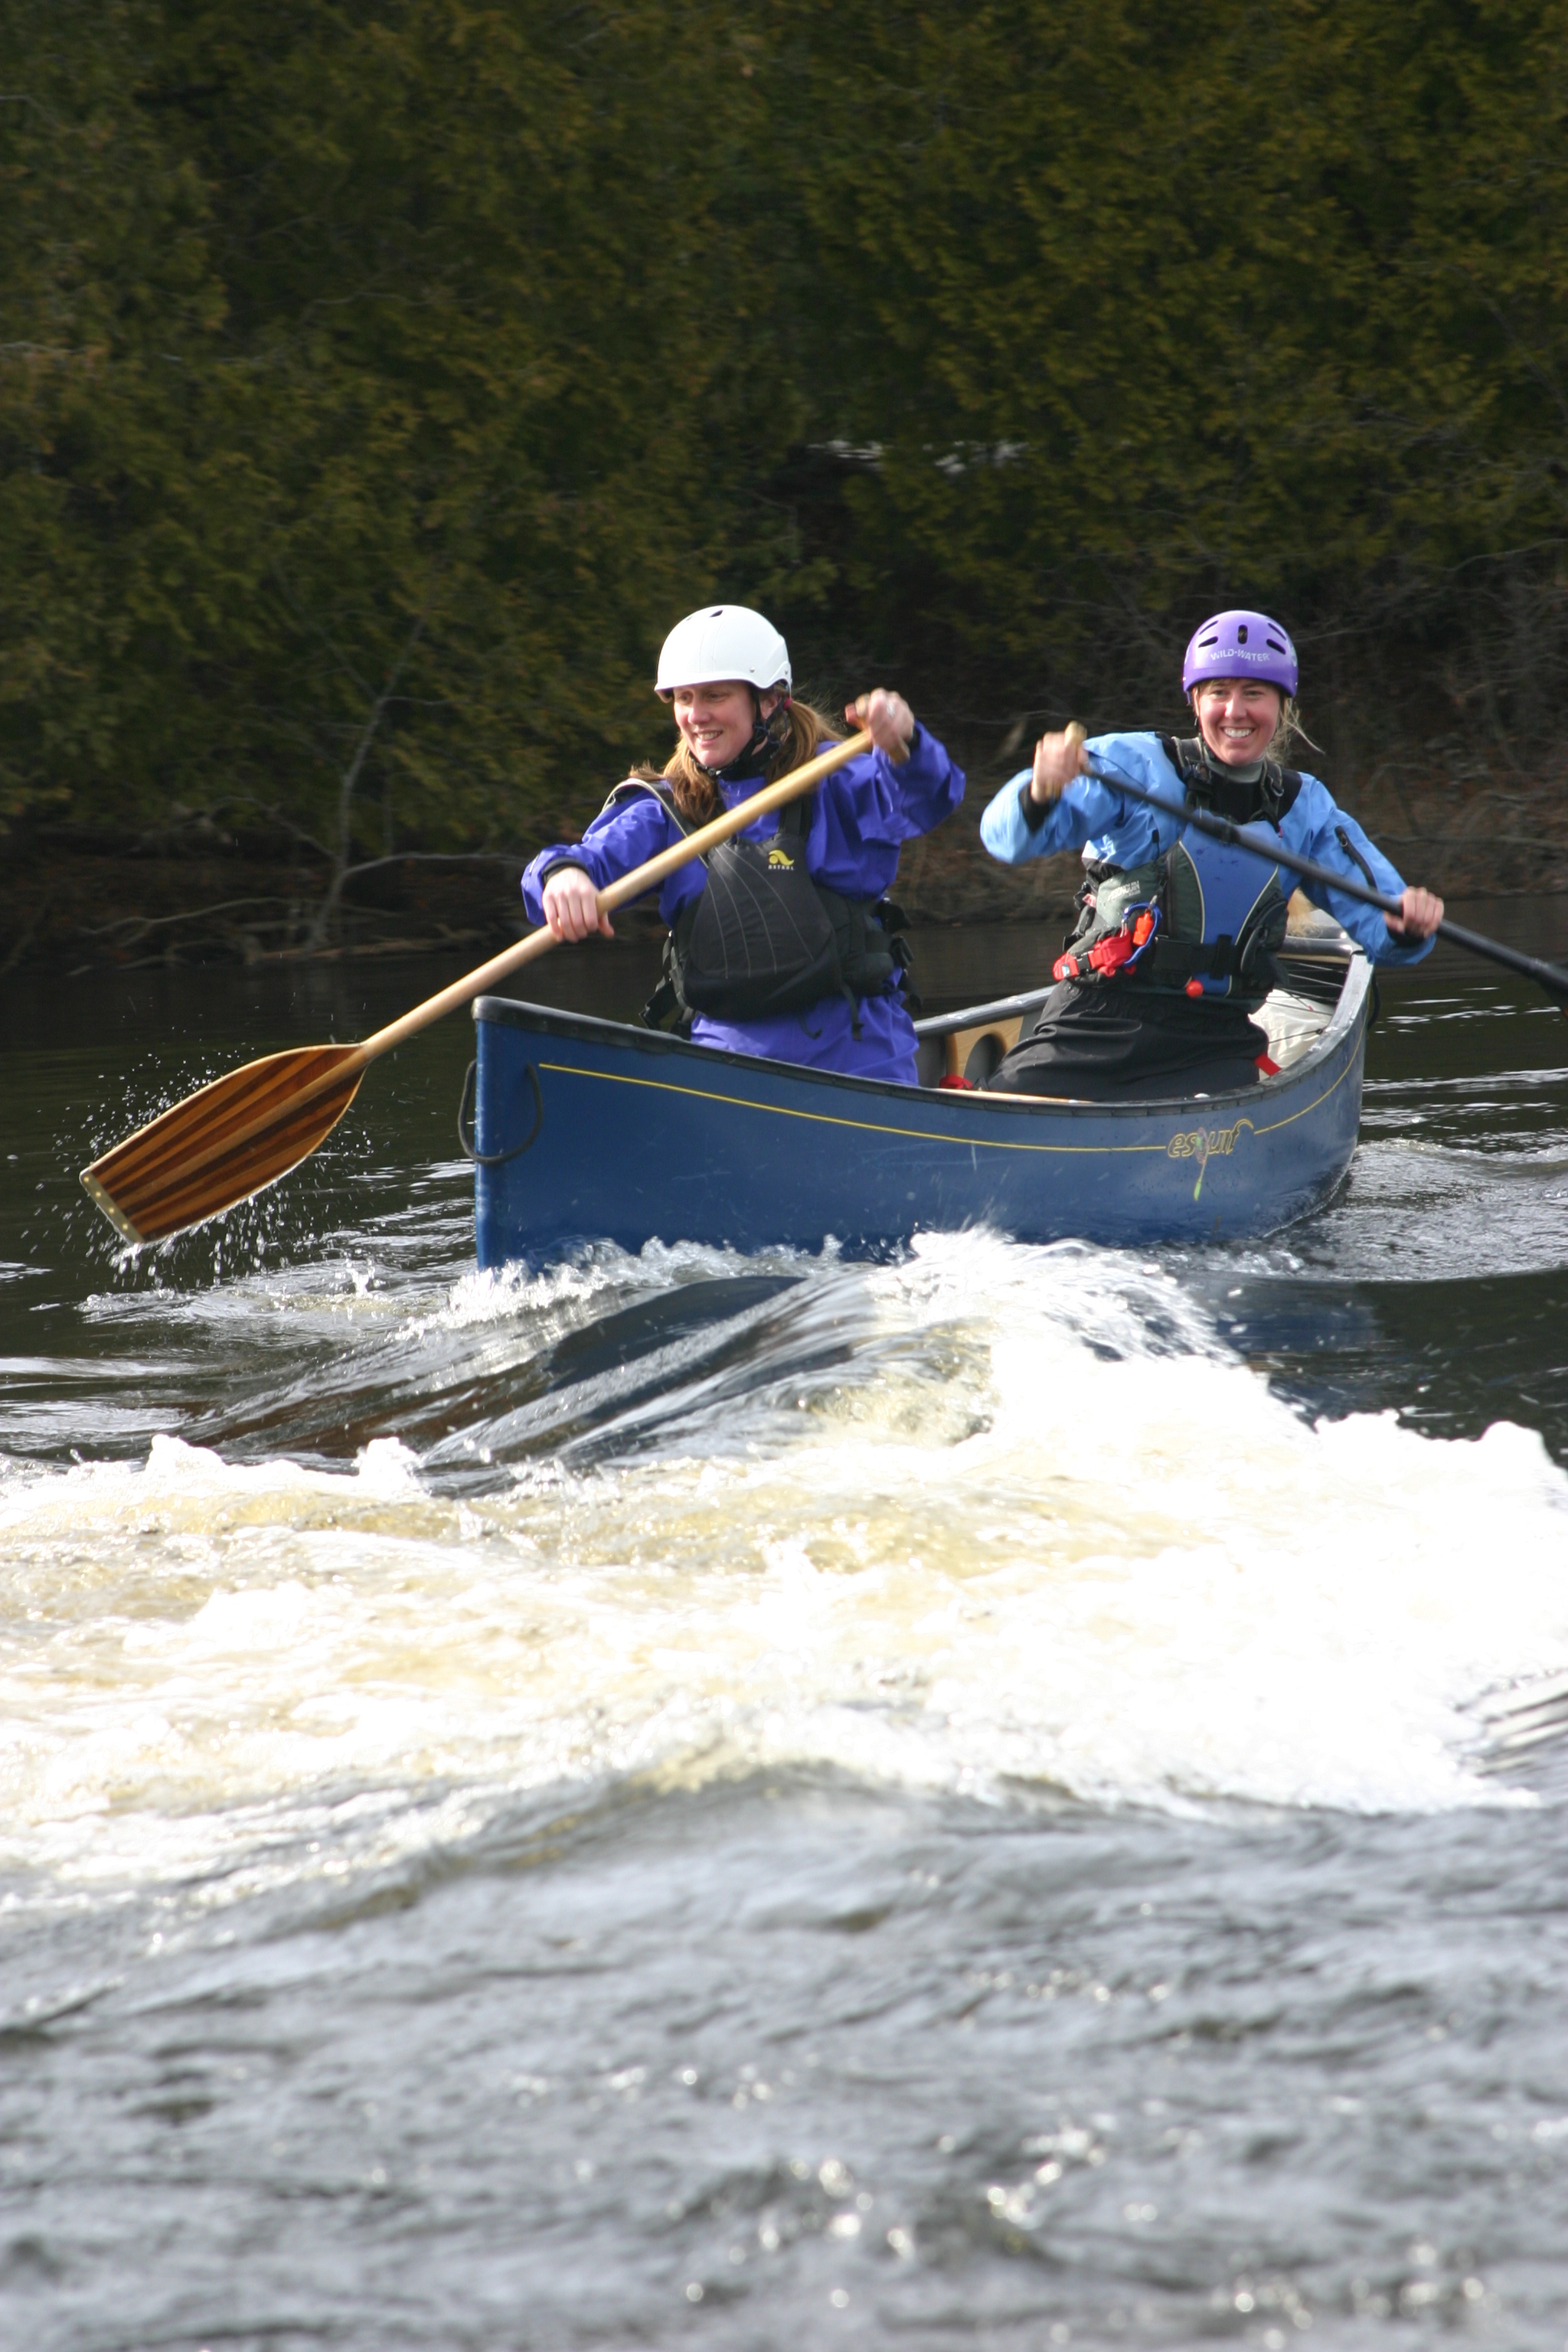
(225, 1142)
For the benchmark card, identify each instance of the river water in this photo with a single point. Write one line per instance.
(1010, 1799)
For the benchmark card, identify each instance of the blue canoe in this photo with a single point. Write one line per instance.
(588, 1130)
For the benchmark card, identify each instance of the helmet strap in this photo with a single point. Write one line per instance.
(774, 730)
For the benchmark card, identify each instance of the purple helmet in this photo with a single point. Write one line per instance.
(1241, 645)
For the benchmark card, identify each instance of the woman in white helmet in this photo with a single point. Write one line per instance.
(781, 942)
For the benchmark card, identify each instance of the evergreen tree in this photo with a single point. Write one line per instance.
(380, 378)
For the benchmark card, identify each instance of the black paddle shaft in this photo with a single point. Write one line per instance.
(1549, 976)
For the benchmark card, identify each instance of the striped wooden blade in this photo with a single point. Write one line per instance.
(225, 1142)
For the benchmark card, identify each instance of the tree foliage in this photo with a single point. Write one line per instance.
(423, 360)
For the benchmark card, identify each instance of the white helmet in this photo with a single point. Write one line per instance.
(720, 643)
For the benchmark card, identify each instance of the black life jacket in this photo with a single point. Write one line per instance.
(764, 937)
(1223, 912)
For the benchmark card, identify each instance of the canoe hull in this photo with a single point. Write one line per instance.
(590, 1129)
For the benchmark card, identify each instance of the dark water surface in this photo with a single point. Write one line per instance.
(1009, 1799)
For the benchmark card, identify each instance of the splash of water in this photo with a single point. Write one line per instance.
(1027, 1524)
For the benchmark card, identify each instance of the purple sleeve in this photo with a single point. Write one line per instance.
(867, 808)
(626, 835)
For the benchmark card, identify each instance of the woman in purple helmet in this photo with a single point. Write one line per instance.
(1172, 953)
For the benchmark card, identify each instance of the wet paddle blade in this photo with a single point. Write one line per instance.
(225, 1142)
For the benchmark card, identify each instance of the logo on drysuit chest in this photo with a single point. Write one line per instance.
(780, 857)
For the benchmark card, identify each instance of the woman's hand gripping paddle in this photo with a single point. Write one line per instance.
(1548, 976)
(246, 1130)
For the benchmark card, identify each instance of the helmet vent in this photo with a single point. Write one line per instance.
(1241, 634)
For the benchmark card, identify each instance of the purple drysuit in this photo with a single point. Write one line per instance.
(859, 816)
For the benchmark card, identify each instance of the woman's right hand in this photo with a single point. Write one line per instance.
(1058, 760)
(571, 905)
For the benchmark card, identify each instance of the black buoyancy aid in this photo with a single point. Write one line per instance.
(1222, 910)
(764, 937)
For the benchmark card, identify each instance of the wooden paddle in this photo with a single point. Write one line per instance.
(242, 1132)
(1548, 976)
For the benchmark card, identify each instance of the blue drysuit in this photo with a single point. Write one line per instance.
(1120, 1038)
(860, 813)
(1115, 830)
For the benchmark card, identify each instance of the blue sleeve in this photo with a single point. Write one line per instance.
(869, 806)
(1091, 814)
(628, 834)
(1313, 825)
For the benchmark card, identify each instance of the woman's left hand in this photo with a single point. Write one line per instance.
(1419, 916)
(888, 720)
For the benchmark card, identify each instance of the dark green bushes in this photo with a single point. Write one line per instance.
(383, 379)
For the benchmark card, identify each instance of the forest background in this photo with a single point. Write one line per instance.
(380, 380)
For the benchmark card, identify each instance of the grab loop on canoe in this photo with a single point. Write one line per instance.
(465, 1116)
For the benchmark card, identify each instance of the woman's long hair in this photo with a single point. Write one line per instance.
(697, 794)
(1290, 731)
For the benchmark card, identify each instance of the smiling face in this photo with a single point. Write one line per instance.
(716, 721)
(1237, 717)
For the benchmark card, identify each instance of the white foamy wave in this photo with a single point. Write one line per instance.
(182, 1481)
(503, 1294)
(1059, 1536)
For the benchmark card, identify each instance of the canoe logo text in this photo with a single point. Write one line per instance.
(1203, 1144)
